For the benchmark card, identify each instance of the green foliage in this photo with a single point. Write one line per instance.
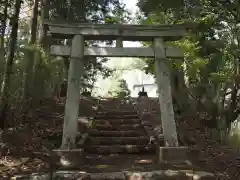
(208, 48)
(49, 72)
(86, 10)
(211, 50)
(123, 90)
(93, 68)
(105, 11)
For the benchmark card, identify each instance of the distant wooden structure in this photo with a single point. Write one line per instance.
(80, 32)
(142, 93)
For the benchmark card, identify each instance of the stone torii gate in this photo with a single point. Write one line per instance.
(80, 32)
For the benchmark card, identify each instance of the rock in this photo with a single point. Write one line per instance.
(108, 176)
(32, 177)
(70, 175)
(120, 149)
(68, 157)
(170, 175)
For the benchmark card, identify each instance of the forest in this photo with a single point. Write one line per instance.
(205, 83)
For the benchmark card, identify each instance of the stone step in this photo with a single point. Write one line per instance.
(121, 149)
(124, 175)
(140, 140)
(172, 174)
(134, 161)
(116, 116)
(115, 103)
(117, 159)
(116, 106)
(119, 127)
(116, 112)
(130, 133)
(117, 121)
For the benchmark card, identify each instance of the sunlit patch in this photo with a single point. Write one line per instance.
(114, 155)
(144, 161)
(65, 162)
(129, 146)
(171, 173)
(11, 162)
(82, 172)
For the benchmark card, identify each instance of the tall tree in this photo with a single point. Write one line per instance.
(212, 50)
(30, 52)
(4, 16)
(91, 11)
(48, 71)
(9, 64)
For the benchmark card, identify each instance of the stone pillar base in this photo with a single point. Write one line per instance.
(172, 154)
(68, 157)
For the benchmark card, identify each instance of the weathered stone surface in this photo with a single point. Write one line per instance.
(36, 176)
(200, 175)
(118, 121)
(156, 175)
(116, 116)
(120, 127)
(121, 149)
(170, 175)
(127, 133)
(146, 124)
(151, 175)
(82, 140)
(68, 157)
(115, 140)
(140, 140)
(117, 113)
(150, 115)
(159, 138)
(158, 130)
(70, 175)
(84, 124)
(108, 176)
(172, 153)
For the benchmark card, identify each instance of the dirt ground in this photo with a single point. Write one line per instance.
(27, 146)
(215, 156)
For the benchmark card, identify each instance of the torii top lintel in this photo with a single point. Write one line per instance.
(66, 30)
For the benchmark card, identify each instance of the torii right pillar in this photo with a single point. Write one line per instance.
(171, 151)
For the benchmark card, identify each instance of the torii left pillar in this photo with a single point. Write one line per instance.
(70, 127)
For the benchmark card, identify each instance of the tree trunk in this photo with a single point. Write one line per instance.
(43, 28)
(3, 30)
(9, 65)
(37, 69)
(30, 54)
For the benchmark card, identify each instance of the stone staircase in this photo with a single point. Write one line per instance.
(118, 130)
(118, 142)
(118, 146)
